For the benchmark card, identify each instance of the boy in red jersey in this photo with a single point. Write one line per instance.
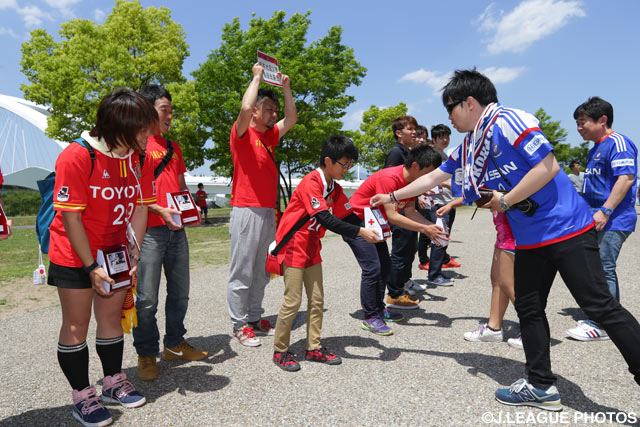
(201, 201)
(321, 198)
(95, 200)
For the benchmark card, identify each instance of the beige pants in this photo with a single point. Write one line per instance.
(293, 281)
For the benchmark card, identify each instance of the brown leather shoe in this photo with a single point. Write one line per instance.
(147, 368)
(183, 351)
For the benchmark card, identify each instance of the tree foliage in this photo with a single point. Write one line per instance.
(375, 138)
(134, 47)
(557, 135)
(320, 72)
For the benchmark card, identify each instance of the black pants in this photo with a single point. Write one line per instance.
(403, 252)
(578, 261)
(424, 241)
(373, 259)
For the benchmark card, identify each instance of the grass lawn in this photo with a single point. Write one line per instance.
(19, 253)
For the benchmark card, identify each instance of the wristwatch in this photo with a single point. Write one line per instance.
(503, 204)
(606, 211)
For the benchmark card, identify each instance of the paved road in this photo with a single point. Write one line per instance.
(424, 374)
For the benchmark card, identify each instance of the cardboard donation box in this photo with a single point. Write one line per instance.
(4, 227)
(183, 202)
(374, 219)
(115, 262)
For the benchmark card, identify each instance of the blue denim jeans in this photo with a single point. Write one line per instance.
(610, 243)
(162, 247)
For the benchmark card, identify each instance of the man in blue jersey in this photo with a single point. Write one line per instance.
(504, 149)
(609, 189)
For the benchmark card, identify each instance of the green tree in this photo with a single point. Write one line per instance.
(557, 135)
(375, 138)
(320, 71)
(134, 47)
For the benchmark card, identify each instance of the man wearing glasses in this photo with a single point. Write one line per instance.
(404, 243)
(504, 149)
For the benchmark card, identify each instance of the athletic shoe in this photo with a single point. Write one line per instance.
(587, 331)
(452, 264)
(391, 316)
(184, 351)
(262, 327)
(440, 281)
(516, 342)
(483, 334)
(322, 355)
(286, 361)
(424, 266)
(88, 410)
(247, 337)
(522, 393)
(412, 287)
(147, 368)
(403, 302)
(376, 325)
(116, 389)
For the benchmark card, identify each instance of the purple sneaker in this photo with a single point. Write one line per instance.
(116, 389)
(376, 325)
(88, 410)
(392, 316)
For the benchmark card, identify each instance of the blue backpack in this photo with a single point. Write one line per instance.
(46, 212)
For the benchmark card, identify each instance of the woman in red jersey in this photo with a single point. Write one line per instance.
(100, 196)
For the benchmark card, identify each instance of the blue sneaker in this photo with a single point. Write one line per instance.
(523, 393)
(392, 316)
(88, 410)
(116, 389)
(440, 281)
(376, 325)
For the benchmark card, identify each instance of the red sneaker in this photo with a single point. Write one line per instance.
(322, 355)
(452, 264)
(262, 327)
(424, 266)
(286, 361)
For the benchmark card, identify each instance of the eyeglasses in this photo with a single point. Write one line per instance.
(346, 167)
(453, 105)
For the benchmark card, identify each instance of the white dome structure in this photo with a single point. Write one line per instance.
(26, 153)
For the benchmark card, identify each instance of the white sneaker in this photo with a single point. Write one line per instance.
(587, 331)
(413, 287)
(516, 342)
(247, 337)
(483, 334)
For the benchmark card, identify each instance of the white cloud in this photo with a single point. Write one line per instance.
(503, 74)
(529, 22)
(8, 32)
(433, 79)
(63, 6)
(352, 120)
(32, 15)
(98, 15)
(6, 4)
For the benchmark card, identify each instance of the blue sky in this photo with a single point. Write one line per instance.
(540, 53)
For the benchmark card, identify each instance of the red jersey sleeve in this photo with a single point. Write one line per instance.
(146, 181)
(341, 206)
(312, 197)
(72, 179)
(1, 178)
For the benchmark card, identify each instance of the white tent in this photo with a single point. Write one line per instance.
(26, 153)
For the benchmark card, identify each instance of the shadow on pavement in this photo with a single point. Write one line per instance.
(58, 416)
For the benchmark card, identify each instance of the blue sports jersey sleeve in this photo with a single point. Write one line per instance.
(623, 156)
(532, 145)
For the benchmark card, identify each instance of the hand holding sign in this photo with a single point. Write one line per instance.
(271, 69)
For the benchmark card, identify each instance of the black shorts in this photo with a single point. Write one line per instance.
(68, 277)
(204, 209)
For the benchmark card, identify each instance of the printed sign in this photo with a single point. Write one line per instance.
(115, 262)
(271, 69)
(183, 202)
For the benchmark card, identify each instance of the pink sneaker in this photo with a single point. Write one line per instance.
(88, 410)
(262, 327)
(116, 389)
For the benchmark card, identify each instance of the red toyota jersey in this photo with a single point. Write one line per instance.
(106, 199)
(382, 182)
(303, 250)
(168, 181)
(255, 177)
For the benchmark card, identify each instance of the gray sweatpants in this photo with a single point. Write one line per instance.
(251, 231)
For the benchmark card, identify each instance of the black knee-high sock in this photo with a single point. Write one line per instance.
(110, 352)
(74, 361)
